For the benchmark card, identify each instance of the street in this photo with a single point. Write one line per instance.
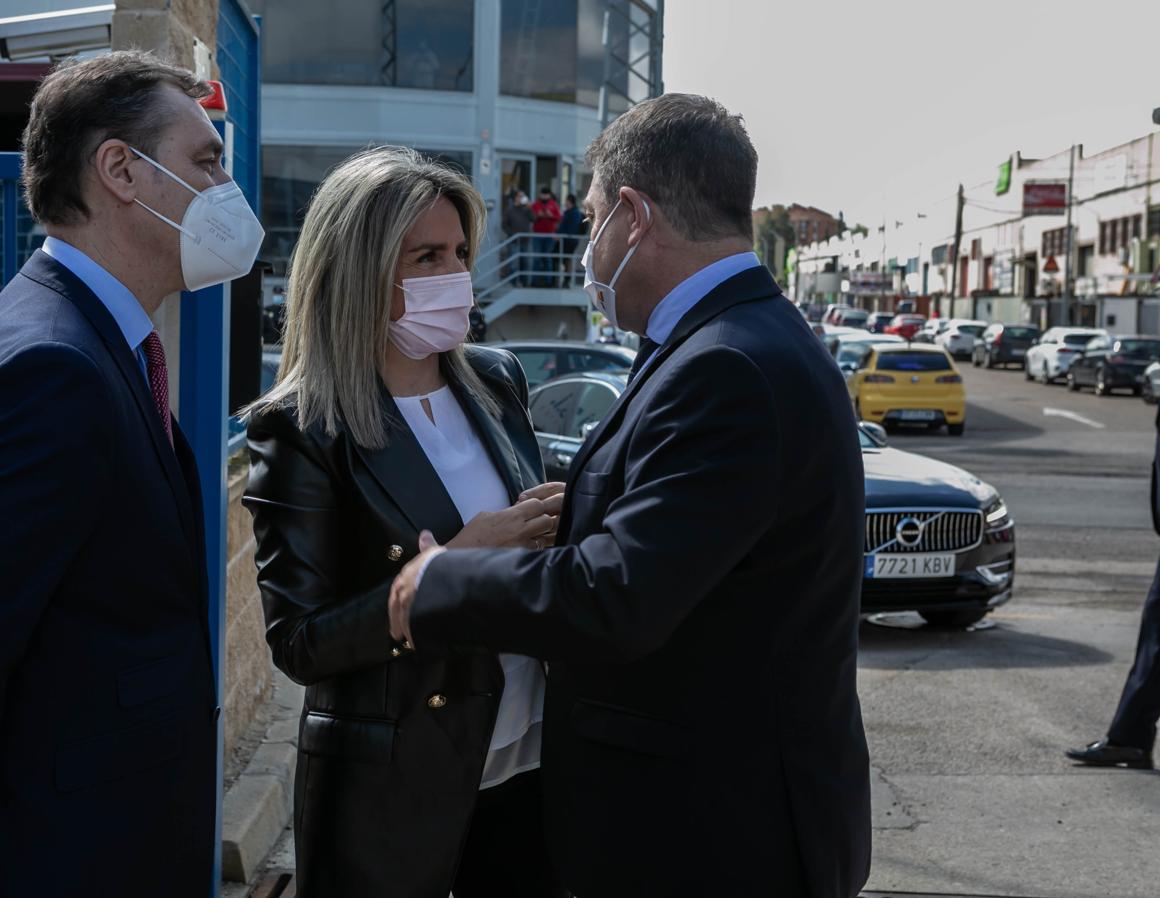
(967, 730)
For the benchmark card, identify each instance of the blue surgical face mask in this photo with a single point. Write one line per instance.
(603, 296)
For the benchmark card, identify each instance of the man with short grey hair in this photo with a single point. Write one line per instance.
(700, 610)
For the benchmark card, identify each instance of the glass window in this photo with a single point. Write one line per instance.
(1021, 333)
(551, 408)
(1140, 349)
(400, 43)
(913, 361)
(971, 330)
(597, 361)
(592, 404)
(538, 365)
(1077, 339)
(290, 175)
(538, 49)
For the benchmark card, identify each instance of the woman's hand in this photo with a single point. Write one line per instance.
(529, 524)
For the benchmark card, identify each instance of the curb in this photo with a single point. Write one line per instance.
(260, 804)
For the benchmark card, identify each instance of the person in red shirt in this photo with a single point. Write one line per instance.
(546, 217)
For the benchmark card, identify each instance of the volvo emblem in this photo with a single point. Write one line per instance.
(908, 532)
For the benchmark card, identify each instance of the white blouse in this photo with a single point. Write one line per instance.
(471, 480)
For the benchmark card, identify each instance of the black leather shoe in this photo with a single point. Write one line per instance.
(1105, 754)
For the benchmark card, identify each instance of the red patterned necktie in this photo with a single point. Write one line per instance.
(158, 379)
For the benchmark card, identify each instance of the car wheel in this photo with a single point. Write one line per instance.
(1101, 383)
(976, 359)
(956, 430)
(957, 619)
(990, 360)
(1071, 384)
(1044, 375)
(1027, 371)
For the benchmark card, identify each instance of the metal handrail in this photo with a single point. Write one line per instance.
(516, 262)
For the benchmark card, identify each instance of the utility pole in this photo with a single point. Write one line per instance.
(955, 251)
(1069, 312)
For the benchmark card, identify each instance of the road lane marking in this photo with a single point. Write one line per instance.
(1072, 416)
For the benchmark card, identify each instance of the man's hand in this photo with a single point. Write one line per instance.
(406, 586)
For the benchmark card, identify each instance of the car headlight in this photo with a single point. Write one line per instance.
(996, 514)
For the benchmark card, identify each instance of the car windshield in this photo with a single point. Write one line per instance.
(1020, 333)
(855, 316)
(1078, 339)
(1144, 350)
(852, 354)
(913, 361)
(909, 319)
(971, 330)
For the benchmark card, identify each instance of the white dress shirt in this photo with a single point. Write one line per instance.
(471, 480)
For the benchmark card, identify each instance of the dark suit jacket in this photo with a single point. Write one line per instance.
(387, 778)
(703, 734)
(1155, 492)
(107, 712)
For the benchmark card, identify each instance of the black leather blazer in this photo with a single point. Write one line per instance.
(391, 743)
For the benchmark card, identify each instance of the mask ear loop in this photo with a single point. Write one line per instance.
(161, 168)
(631, 249)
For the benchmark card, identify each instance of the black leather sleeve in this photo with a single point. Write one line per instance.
(698, 492)
(313, 629)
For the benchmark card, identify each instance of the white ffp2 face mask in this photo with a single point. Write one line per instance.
(437, 316)
(603, 296)
(220, 234)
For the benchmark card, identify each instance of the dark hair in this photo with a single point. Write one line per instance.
(571, 198)
(690, 155)
(83, 103)
(546, 189)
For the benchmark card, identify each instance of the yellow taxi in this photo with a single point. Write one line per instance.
(909, 383)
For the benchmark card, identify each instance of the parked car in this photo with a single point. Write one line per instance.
(1114, 363)
(545, 359)
(905, 326)
(878, 322)
(834, 311)
(930, 329)
(909, 384)
(958, 337)
(1150, 389)
(1050, 357)
(565, 410)
(939, 541)
(850, 350)
(830, 333)
(1004, 344)
(853, 318)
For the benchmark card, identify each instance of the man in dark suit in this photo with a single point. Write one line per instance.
(700, 613)
(1132, 735)
(107, 696)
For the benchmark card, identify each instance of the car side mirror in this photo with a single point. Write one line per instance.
(876, 430)
(587, 428)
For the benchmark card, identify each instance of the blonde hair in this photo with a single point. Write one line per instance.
(341, 282)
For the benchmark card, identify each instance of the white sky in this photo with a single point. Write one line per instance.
(880, 108)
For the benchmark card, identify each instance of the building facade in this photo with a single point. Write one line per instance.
(812, 225)
(509, 91)
(1015, 261)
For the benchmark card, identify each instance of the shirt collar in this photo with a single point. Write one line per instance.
(670, 310)
(134, 323)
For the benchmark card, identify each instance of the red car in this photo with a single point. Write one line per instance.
(905, 326)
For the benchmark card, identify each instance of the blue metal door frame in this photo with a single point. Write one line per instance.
(9, 202)
(205, 339)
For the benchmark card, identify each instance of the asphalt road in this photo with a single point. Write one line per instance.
(967, 729)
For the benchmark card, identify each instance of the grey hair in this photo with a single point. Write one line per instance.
(340, 286)
(691, 156)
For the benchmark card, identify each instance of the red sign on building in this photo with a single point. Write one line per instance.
(1044, 198)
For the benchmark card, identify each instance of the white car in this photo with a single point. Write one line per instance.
(850, 349)
(931, 329)
(1052, 355)
(959, 336)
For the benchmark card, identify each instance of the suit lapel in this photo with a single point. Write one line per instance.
(753, 283)
(403, 472)
(49, 273)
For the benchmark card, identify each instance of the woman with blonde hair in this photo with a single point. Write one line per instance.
(417, 772)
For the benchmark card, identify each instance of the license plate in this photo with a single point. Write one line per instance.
(915, 414)
(1018, 353)
(906, 567)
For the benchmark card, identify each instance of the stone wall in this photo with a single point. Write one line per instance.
(167, 27)
(249, 672)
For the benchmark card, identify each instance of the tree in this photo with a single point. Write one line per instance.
(771, 226)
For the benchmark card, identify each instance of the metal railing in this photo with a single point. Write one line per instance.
(545, 261)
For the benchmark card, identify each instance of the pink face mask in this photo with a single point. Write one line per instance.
(436, 319)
